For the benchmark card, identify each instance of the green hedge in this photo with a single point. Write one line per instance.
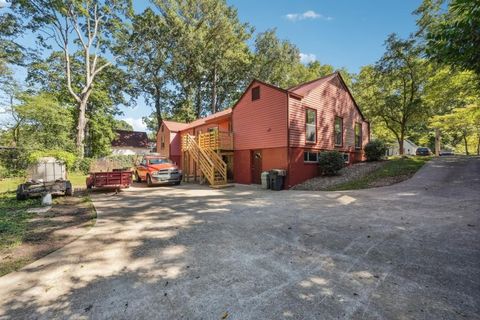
(330, 162)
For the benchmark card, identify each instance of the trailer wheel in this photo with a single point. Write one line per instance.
(68, 189)
(21, 193)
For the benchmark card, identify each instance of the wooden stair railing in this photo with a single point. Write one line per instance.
(211, 164)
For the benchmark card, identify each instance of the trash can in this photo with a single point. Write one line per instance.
(276, 180)
(265, 180)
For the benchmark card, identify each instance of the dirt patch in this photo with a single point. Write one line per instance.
(68, 219)
(387, 181)
(347, 174)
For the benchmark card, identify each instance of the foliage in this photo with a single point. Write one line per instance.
(462, 124)
(451, 36)
(123, 125)
(330, 162)
(399, 168)
(92, 27)
(111, 86)
(393, 89)
(67, 157)
(83, 165)
(375, 150)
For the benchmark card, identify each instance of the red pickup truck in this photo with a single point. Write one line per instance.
(156, 169)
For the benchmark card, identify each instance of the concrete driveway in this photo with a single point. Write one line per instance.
(409, 251)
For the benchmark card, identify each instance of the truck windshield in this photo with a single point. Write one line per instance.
(159, 161)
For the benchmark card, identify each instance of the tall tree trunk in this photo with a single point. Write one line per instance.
(400, 142)
(214, 90)
(158, 108)
(466, 144)
(81, 124)
(198, 101)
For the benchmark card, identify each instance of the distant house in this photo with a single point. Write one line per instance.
(270, 128)
(409, 148)
(130, 143)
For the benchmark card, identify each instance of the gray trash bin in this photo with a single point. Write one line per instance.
(265, 180)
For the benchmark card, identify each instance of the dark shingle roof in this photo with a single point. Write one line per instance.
(135, 139)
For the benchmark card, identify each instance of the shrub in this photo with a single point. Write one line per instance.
(375, 150)
(83, 165)
(330, 162)
(67, 157)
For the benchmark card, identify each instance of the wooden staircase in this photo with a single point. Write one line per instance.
(209, 162)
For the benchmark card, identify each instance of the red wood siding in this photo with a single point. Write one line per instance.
(330, 99)
(165, 152)
(261, 123)
(242, 170)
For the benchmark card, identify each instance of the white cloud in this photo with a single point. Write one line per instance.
(310, 14)
(4, 3)
(137, 124)
(307, 57)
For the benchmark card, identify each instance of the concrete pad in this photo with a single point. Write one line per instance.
(408, 251)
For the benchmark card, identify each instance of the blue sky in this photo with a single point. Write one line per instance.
(343, 33)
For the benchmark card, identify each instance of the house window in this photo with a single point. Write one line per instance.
(162, 142)
(311, 126)
(346, 157)
(162, 127)
(212, 129)
(256, 93)
(338, 131)
(311, 157)
(358, 135)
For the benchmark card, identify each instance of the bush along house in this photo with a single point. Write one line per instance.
(270, 128)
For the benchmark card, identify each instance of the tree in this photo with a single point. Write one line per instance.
(276, 61)
(41, 122)
(208, 55)
(462, 124)
(398, 80)
(452, 37)
(89, 25)
(123, 125)
(146, 54)
(111, 91)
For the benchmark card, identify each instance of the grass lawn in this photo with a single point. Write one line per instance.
(11, 184)
(396, 170)
(25, 237)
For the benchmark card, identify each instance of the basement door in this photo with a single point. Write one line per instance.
(256, 158)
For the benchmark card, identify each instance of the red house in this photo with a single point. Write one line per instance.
(271, 128)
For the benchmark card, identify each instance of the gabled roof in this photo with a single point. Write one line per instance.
(174, 126)
(134, 139)
(213, 117)
(304, 88)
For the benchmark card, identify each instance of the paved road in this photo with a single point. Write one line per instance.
(409, 251)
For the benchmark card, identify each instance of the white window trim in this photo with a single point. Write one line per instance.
(309, 161)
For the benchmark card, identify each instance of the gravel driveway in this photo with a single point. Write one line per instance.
(408, 251)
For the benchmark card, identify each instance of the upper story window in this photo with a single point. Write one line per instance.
(256, 93)
(311, 126)
(162, 142)
(162, 127)
(358, 135)
(338, 134)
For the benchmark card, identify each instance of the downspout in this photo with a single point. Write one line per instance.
(288, 140)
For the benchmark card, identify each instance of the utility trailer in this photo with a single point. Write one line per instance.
(118, 178)
(47, 176)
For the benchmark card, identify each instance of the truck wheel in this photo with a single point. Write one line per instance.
(21, 193)
(68, 189)
(137, 177)
(149, 181)
(177, 183)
